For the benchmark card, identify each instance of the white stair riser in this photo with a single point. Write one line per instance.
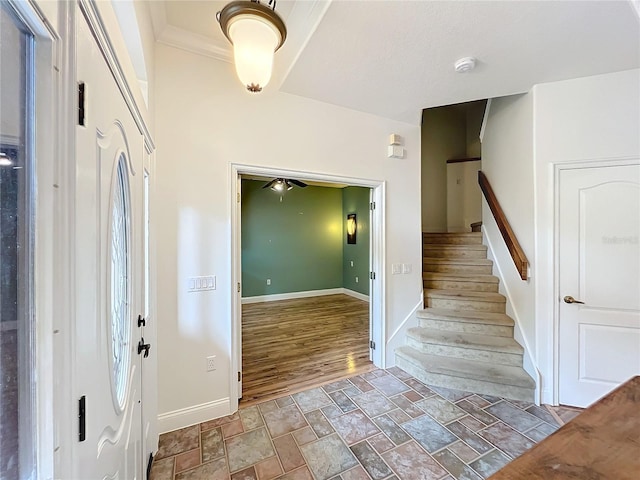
(433, 251)
(467, 384)
(452, 240)
(465, 327)
(469, 353)
(464, 304)
(458, 285)
(457, 268)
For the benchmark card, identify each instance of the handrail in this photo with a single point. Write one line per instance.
(517, 254)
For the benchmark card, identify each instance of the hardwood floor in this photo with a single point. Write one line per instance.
(290, 345)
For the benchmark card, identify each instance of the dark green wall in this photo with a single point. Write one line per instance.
(300, 243)
(297, 243)
(356, 200)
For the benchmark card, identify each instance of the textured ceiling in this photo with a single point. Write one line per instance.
(394, 58)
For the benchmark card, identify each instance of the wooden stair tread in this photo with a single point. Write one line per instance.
(460, 277)
(457, 261)
(474, 341)
(472, 369)
(466, 295)
(453, 234)
(466, 316)
(447, 246)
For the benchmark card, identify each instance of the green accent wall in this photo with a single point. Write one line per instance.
(300, 242)
(356, 200)
(296, 242)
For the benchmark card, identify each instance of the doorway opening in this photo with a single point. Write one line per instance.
(307, 307)
(451, 158)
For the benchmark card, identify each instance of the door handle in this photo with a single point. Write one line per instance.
(143, 347)
(570, 299)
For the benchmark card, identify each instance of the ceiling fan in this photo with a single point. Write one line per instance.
(283, 184)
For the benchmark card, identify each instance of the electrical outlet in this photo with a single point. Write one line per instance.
(211, 363)
(268, 281)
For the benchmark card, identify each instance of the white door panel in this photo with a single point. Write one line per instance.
(600, 266)
(109, 273)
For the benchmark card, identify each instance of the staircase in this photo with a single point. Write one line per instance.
(464, 339)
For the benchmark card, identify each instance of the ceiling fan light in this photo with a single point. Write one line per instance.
(278, 186)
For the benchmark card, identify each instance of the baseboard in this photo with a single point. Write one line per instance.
(399, 336)
(186, 417)
(309, 293)
(354, 294)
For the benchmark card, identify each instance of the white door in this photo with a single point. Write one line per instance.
(599, 241)
(109, 274)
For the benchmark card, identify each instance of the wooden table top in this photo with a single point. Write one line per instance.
(603, 442)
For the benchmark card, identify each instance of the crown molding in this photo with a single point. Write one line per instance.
(302, 22)
(195, 43)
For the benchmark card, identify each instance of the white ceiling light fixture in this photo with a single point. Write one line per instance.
(256, 32)
(465, 64)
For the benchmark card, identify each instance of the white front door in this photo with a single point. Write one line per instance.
(599, 251)
(109, 274)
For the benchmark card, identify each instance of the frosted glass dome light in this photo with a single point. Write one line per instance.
(256, 33)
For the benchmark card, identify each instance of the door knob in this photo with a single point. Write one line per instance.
(570, 299)
(143, 347)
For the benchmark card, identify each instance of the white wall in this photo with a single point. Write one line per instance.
(507, 161)
(591, 118)
(205, 122)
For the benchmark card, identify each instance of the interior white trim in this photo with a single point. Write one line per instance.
(45, 137)
(485, 118)
(306, 294)
(193, 42)
(354, 294)
(185, 417)
(377, 289)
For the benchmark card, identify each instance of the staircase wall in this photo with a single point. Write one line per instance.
(579, 120)
(519, 307)
(507, 160)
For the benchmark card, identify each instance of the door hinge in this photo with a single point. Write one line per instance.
(81, 103)
(372, 345)
(238, 197)
(82, 421)
(238, 287)
(372, 275)
(239, 376)
(372, 206)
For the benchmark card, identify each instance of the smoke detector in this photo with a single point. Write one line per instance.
(465, 64)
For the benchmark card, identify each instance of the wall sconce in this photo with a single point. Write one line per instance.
(352, 227)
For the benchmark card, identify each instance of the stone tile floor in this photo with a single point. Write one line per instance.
(381, 425)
